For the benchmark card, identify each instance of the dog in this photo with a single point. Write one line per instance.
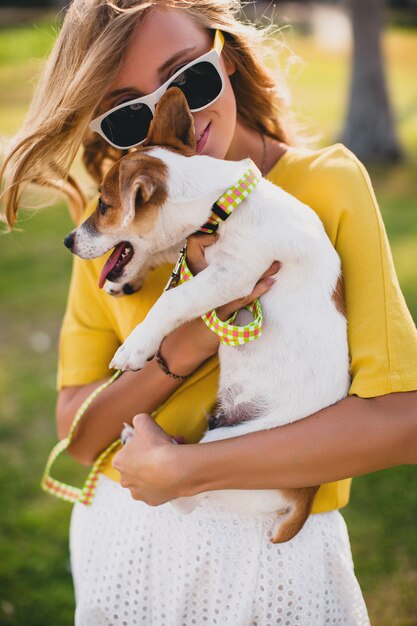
(151, 201)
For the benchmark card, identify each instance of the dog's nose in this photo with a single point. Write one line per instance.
(69, 241)
(128, 289)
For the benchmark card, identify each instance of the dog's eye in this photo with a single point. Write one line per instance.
(102, 207)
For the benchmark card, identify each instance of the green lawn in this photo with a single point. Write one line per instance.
(35, 583)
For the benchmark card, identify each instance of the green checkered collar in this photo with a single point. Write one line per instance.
(231, 198)
(220, 211)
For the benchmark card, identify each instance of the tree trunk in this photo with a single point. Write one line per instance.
(369, 128)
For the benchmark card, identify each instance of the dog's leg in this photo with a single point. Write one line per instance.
(292, 518)
(211, 288)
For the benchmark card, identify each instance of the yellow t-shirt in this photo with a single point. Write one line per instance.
(382, 335)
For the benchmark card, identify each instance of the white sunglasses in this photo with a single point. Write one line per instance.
(201, 82)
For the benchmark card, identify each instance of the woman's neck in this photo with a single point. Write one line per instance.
(247, 142)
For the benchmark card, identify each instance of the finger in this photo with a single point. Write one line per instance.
(261, 287)
(140, 419)
(205, 239)
(272, 269)
(196, 245)
(196, 259)
(136, 494)
(127, 433)
(144, 424)
(117, 461)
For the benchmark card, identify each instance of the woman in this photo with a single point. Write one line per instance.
(138, 564)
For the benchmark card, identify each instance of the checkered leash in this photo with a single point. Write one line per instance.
(235, 195)
(228, 333)
(68, 492)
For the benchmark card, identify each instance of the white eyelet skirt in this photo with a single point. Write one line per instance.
(138, 565)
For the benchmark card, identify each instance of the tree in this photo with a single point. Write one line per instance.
(369, 128)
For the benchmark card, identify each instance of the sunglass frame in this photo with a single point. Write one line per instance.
(152, 99)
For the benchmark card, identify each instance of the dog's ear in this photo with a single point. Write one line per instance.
(173, 124)
(134, 188)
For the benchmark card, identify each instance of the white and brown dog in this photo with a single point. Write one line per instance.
(154, 198)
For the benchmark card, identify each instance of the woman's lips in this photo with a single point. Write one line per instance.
(203, 139)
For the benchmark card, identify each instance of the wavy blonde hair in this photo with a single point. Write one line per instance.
(86, 57)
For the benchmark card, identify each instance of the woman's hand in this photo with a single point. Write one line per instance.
(148, 463)
(196, 261)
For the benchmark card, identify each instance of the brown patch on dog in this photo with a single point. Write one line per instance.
(173, 125)
(338, 296)
(297, 512)
(131, 194)
(136, 186)
(143, 189)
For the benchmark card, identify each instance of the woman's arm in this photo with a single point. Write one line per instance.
(184, 350)
(145, 390)
(352, 437)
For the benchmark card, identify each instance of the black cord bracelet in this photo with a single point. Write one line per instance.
(164, 367)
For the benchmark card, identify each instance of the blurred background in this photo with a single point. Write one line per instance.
(351, 68)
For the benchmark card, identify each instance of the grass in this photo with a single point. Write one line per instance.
(21, 53)
(35, 582)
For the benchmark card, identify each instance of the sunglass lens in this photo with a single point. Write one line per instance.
(128, 125)
(200, 84)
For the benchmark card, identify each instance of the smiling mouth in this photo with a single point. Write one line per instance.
(202, 139)
(117, 261)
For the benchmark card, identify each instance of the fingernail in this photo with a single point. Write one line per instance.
(270, 281)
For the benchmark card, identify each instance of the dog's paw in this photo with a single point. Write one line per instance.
(138, 348)
(128, 358)
(127, 433)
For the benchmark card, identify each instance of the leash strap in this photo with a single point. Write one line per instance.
(62, 490)
(231, 335)
(227, 332)
(235, 195)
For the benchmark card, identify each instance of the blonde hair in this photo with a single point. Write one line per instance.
(86, 57)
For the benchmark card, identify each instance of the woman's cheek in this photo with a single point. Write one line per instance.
(227, 120)
(222, 116)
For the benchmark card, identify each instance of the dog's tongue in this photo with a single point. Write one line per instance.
(110, 263)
